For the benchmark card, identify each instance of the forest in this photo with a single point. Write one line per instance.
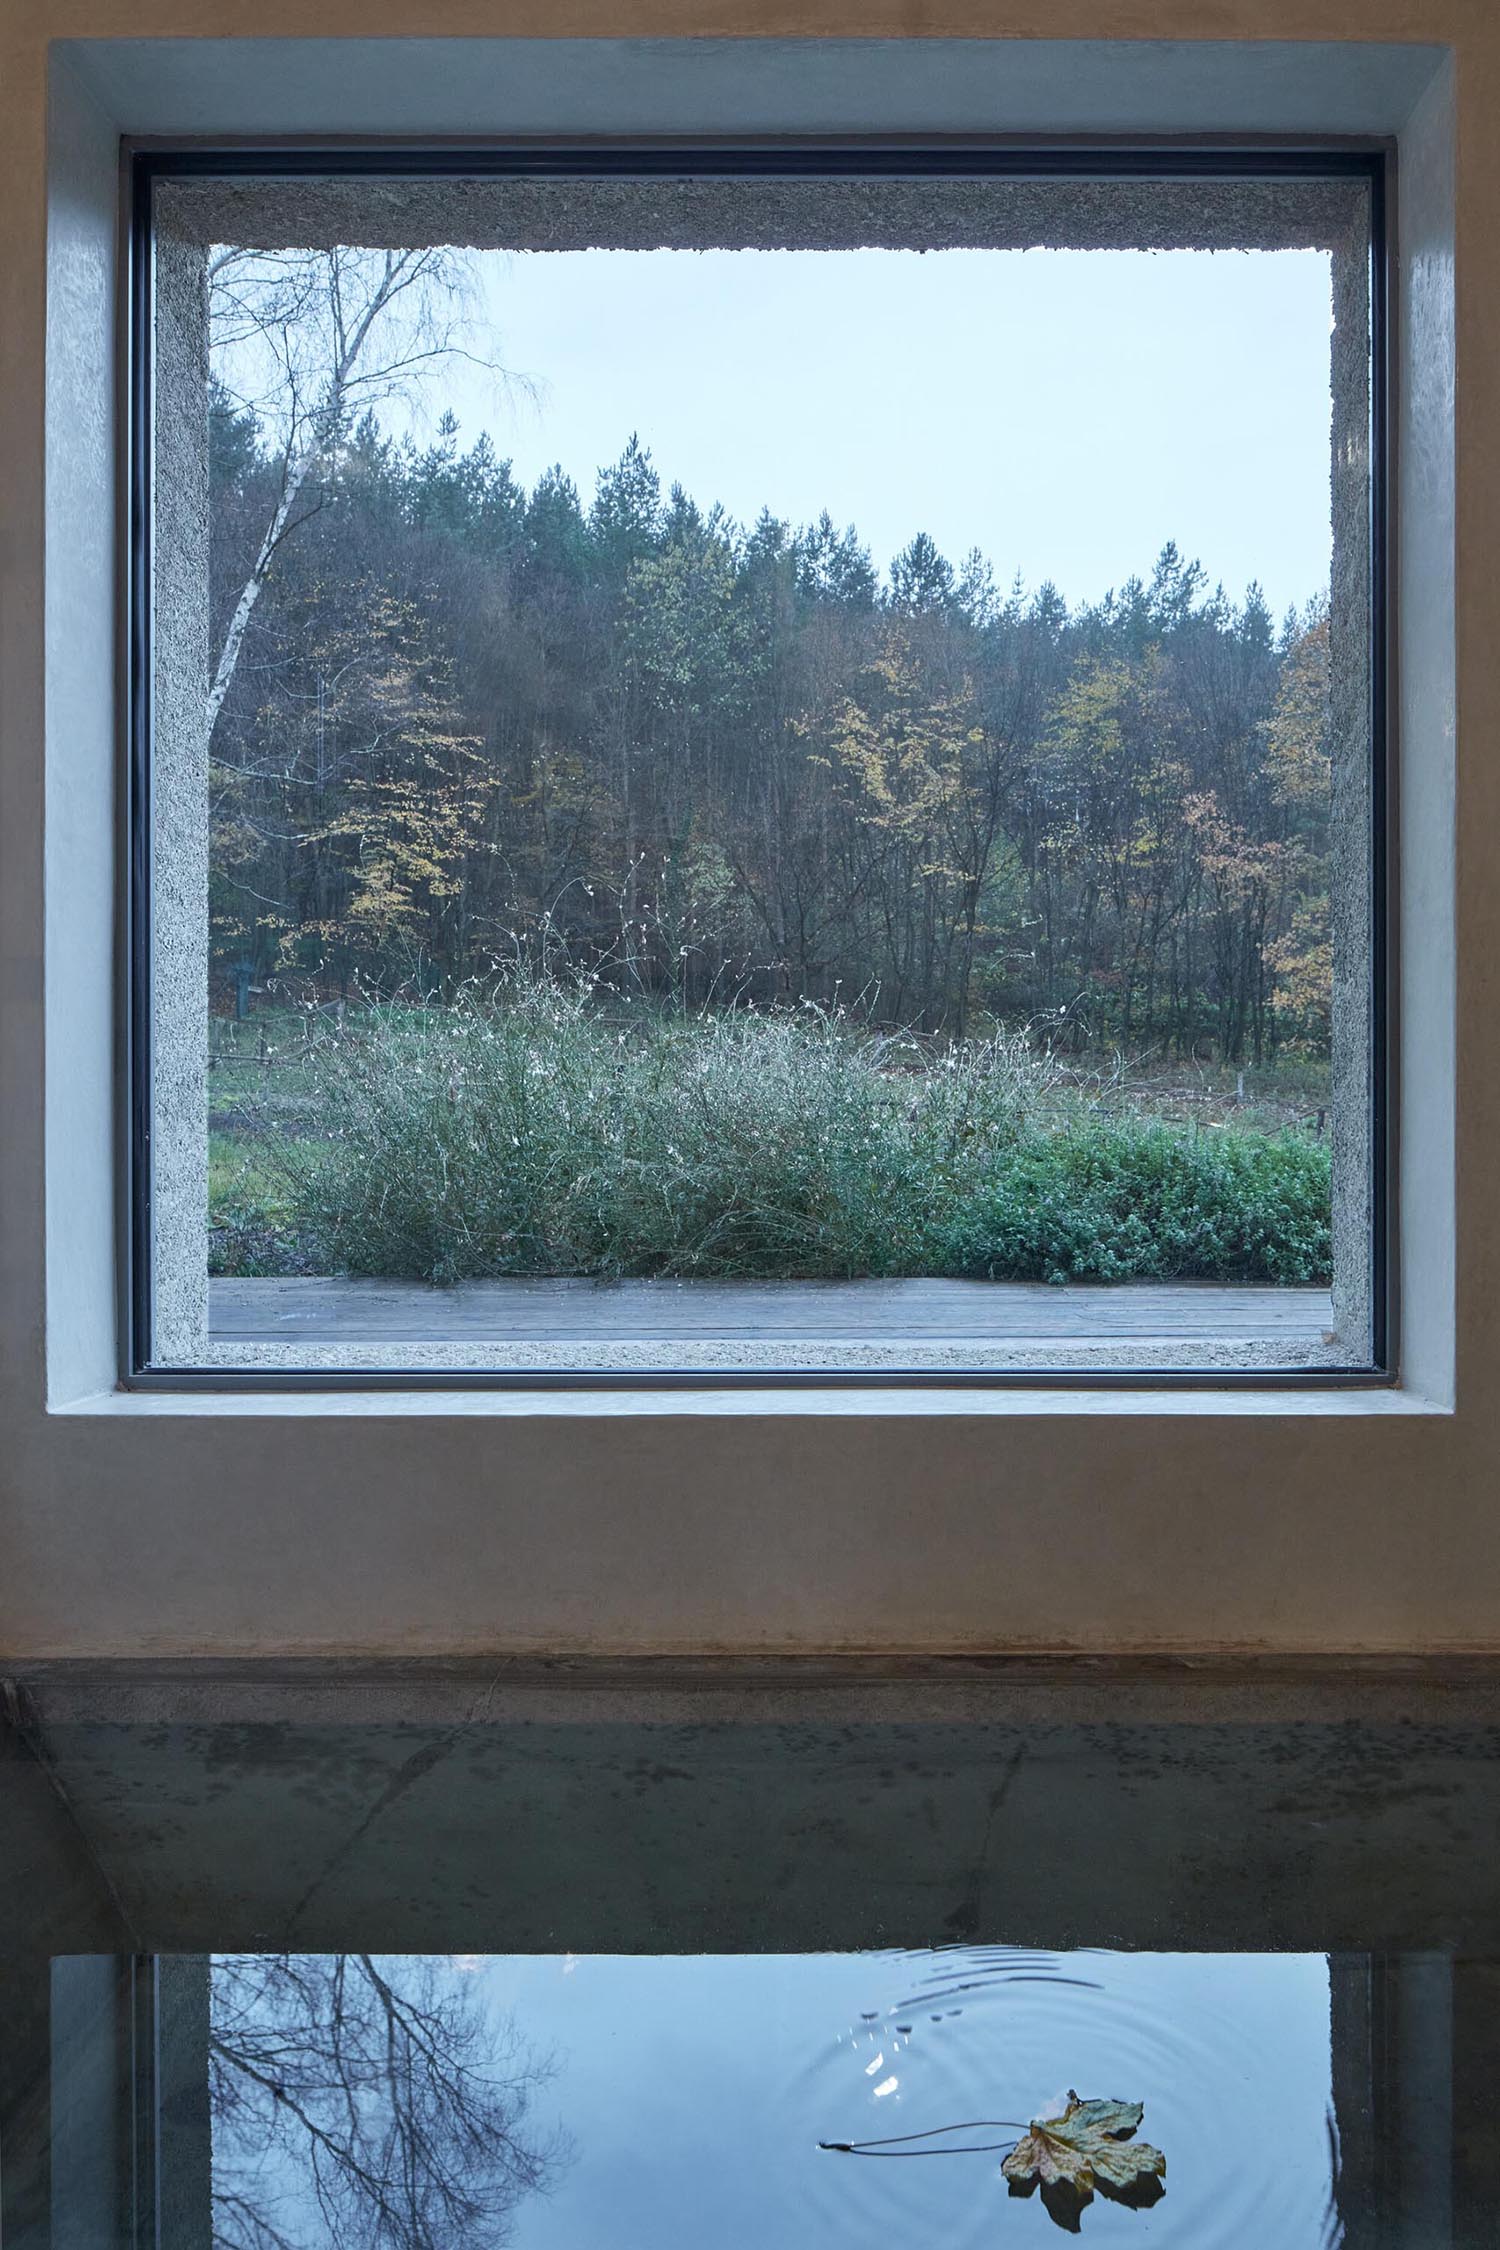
(701, 762)
(601, 885)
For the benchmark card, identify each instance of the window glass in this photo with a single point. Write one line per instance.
(759, 773)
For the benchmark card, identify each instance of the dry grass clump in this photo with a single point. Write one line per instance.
(531, 1130)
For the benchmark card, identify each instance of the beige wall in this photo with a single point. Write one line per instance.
(134, 1526)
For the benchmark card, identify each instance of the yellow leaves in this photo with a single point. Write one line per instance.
(1090, 2146)
(1236, 861)
(1297, 734)
(415, 827)
(1301, 964)
(1088, 723)
(904, 751)
(413, 840)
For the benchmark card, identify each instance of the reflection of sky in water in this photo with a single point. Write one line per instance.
(695, 2091)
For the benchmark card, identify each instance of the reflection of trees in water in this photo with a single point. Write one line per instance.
(367, 2104)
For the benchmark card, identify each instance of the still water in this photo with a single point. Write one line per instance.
(641, 2101)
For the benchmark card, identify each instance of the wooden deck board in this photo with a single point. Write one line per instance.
(928, 1312)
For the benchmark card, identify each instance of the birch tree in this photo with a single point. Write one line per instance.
(307, 341)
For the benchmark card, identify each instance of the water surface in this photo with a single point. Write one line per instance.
(688, 2096)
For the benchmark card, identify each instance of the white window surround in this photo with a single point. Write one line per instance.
(624, 1520)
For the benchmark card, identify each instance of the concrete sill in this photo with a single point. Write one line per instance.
(1358, 1402)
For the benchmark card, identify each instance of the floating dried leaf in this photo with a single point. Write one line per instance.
(1088, 2147)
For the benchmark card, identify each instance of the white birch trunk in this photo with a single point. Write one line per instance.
(250, 593)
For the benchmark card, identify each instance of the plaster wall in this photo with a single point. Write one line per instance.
(807, 1522)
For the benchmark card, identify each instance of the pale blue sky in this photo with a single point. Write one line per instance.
(1064, 411)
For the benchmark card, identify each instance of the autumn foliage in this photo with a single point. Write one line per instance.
(473, 723)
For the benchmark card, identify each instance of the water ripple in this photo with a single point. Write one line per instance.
(988, 2034)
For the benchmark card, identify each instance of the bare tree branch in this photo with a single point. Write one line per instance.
(379, 2096)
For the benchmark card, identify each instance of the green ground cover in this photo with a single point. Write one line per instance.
(546, 1135)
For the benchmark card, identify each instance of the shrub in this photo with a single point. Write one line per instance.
(532, 1131)
(544, 1136)
(1134, 1201)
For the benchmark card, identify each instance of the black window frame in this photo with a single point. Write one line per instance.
(1202, 158)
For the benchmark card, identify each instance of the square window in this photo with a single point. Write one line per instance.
(758, 764)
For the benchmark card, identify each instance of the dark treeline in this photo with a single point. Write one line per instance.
(708, 760)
